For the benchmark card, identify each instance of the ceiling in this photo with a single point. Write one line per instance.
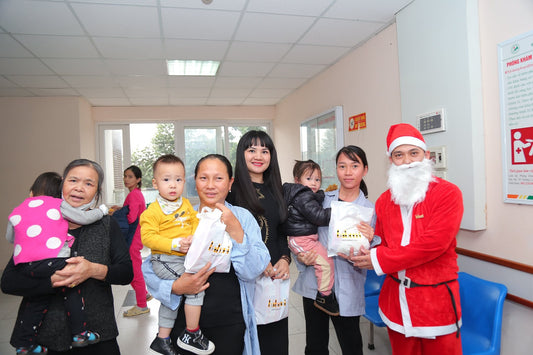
(113, 52)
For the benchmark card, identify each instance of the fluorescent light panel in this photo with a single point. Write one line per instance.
(192, 67)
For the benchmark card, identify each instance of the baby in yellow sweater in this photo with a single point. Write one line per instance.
(167, 227)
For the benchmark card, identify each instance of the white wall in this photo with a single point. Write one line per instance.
(366, 80)
(440, 68)
(38, 135)
(509, 226)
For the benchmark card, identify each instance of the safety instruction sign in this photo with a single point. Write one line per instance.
(357, 122)
(516, 101)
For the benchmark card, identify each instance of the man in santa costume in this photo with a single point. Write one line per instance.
(417, 219)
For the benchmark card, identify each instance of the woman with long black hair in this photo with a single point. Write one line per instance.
(257, 187)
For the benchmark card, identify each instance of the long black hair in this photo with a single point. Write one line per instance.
(243, 190)
(356, 154)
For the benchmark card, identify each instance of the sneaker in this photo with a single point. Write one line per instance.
(195, 342)
(34, 349)
(85, 338)
(327, 304)
(149, 297)
(136, 311)
(163, 346)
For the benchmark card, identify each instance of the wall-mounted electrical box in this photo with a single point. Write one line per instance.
(438, 155)
(431, 122)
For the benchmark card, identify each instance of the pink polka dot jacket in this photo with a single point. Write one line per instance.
(40, 231)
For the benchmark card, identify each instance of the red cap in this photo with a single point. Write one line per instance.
(404, 133)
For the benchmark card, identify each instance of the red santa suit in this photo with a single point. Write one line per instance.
(418, 244)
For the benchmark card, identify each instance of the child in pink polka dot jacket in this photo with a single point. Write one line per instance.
(38, 228)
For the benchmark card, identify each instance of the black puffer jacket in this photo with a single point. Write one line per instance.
(306, 213)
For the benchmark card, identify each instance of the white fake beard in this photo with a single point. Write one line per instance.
(408, 183)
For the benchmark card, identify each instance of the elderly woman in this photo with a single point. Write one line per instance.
(99, 259)
(228, 317)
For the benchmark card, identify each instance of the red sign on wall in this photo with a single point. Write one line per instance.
(522, 145)
(357, 122)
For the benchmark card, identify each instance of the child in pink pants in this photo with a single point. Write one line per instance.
(305, 215)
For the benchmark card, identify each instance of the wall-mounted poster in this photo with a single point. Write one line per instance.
(515, 58)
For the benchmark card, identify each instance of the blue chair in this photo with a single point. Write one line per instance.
(372, 288)
(482, 307)
(372, 314)
(373, 283)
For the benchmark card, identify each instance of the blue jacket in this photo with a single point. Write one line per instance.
(349, 286)
(249, 259)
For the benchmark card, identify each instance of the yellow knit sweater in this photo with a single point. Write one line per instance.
(158, 229)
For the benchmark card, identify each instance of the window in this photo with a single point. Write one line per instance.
(132, 144)
(203, 139)
(321, 138)
(142, 143)
(114, 157)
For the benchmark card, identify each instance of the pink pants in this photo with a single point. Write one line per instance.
(324, 266)
(138, 284)
(448, 344)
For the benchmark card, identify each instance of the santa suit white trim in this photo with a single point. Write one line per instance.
(420, 332)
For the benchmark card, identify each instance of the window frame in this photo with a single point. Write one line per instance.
(179, 136)
(337, 112)
(100, 151)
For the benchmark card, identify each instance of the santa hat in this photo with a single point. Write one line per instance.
(404, 133)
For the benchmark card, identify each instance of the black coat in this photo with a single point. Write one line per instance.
(305, 211)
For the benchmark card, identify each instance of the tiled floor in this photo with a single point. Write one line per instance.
(137, 333)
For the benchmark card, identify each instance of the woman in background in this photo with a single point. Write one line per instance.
(136, 204)
(257, 187)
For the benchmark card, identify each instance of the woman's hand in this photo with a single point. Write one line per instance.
(278, 271)
(233, 226)
(366, 230)
(361, 260)
(308, 258)
(77, 270)
(191, 284)
(269, 271)
(281, 270)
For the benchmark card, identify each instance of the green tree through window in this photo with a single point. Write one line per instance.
(161, 143)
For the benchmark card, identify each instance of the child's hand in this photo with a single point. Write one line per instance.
(181, 244)
(185, 244)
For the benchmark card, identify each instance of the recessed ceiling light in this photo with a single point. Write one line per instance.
(192, 67)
